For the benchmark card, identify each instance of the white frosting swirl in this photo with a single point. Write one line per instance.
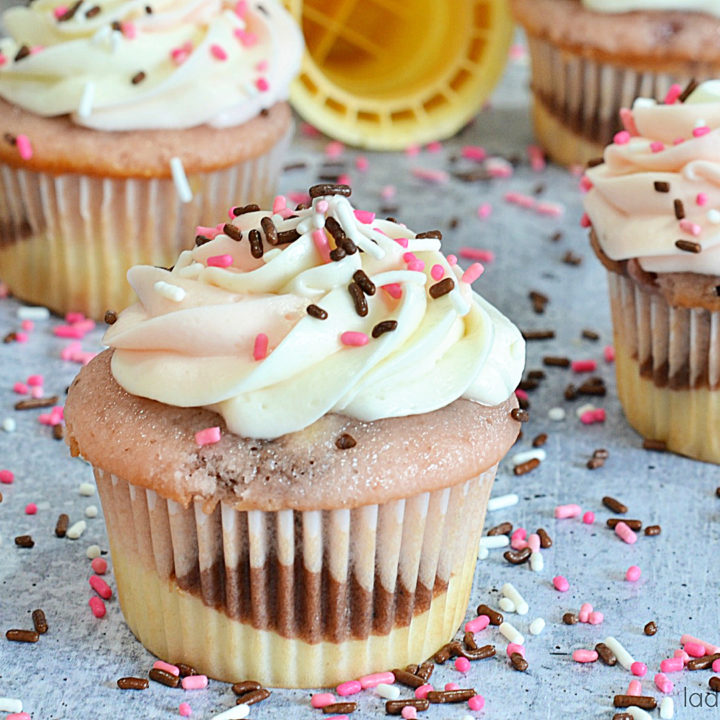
(212, 62)
(675, 148)
(197, 348)
(711, 7)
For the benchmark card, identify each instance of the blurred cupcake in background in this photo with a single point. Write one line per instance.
(123, 126)
(590, 58)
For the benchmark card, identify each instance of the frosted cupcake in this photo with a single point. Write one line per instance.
(125, 126)
(590, 58)
(654, 206)
(294, 437)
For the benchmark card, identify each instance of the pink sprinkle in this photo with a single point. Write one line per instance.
(515, 648)
(394, 290)
(625, 533)
(18, 716)
(622, 138)
(322, 206)
(711, 649)
(351, 687)
(416, 265)
(262, 84)
(694, 649)
(24, 147)
(462, 664)
(129, 30)
(657, 146)
(484, 211)
(473, 152)
(678, 141)
(320, 700)
(628, 121)
(673, 664)
(469, 253)
(562, 585)
(498, 168)
(412, 150)
(339, 717)
(59, 11)
(218, 52)
(673, 94)
(473, 273)
(3, 59)
(221, 261)
(584, 614)
(690, 227)
(452, 260)
(537, 158)
(364, 216)
(241, 8)
(585, 221)
(37, 392)
(437, 272)
(371, 681)
(682, 654)
(588, 417)
(409, 713)
(180, 54)
(27, 325)
(184, 709)
(6, 477)
(434, 147)
(598, 415)
(585, 184)
(533, 542)
(321, 244)
(439, 177)
(247, 39)
(167, 667)
(633, 573)
(100, 587)
(567, 511)
(701, 199)
(516, 198)
(35, 380)
(195, 682)
(208, 436)
(663, 683)
(21, 337)
(716, 666)
(700, 131)
(354, 339)
(403, 242)
(580, 366)
(260, 348)
(362, 163)
(99, 565)
(422, 691)
(388, 192)
(639, 669)
(279, 203)
(97, 606)
(344, 179)
(31, 509)
(522, 394)
(589, 517)
(550, 209)
(634, 688)
(477, 624)
(20, 388)
(609, 353)
(262, 66)
(584, 656)
(518, 534)
(334, 149)
(476, 703)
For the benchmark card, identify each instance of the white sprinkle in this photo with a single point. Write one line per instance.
(461, 305)
(87, 489)
(93, 552)
(623, 656)
(236, 713)
(389, 692)
(115, 38)
(503, 501)
(537, 626)
(506, 605)
(714, 216)
(191, 271)
(667, 708)
(511, 633)
(318, 221)
(523, 457)
(644, 102)
(305, 226)
(556, 414)
(101, 35)
(270, 254)
(510, 591)
(494, 541)
(91, 511)
(588, 407)
(537, 563)
(482, 552)
(169, 291)
(700, 122)
(76, 530)
(9, 424)
(182, 186)
(10, 705)
(637, 713)
(86, 101)
(277, 219)
(27, 312)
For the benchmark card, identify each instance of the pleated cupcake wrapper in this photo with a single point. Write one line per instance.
(585, 96)
(67, 241)
(668, 368)
(342, 592)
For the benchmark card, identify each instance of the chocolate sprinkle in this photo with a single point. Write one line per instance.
(539, 440)
(679, 208)
(138, 77)
(338, 707)
(345, 442)
(451, 696)
(287, 236)
(256, 245)
(32, 403)
(245, 686)
(517, 557)
(28, 636)
(316, 312)
(538, 334)
(646, 702)
(570, 618)
(526, 467)
(253, 696)
(201, 240)
(337, 254)
(496, 618)
(39, 621)
(661, 186)
(688, 246)
(615, 505)
(545, 539)
(651, 629)
(69, 14)
(232, 232)
(441, 288)
(243, 209)
(519, 415)
(590, 334)
(518, 661)
(382, 327)
(164, 678)
(329, 189)
(110, 317)
(22, 53)
(556, 361)
(691, 86)
(653, 530)
(358, 298)
(504, 528)
(92, 12)
(270, 230)
(594, 162)
(657, 445)
(407, 678)
(61, 525)
(395, 707)
(132, 683)
(701, 663)
(429, 234)
(606, 654)
(365, 283)
(632, 524)
(24, 541)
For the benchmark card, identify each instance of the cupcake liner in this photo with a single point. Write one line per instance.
(577, 99)
(67, 241)
(668, 368)
(294, 598)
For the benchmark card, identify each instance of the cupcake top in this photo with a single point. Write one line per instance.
(155, 64)
(621, 6)
(656, 195)
(276, 319)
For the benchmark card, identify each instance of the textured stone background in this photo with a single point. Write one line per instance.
(71, 672)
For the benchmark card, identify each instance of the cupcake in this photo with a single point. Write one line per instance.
(653, 206)
(124, 126)
(590, 58)
(294, 435)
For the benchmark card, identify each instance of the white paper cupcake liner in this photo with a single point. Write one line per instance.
(67, 241)
(344, 592)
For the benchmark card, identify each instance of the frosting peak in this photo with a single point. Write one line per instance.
(324, 309)
(114, 65)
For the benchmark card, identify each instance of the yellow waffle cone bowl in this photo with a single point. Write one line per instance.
(386, 74)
